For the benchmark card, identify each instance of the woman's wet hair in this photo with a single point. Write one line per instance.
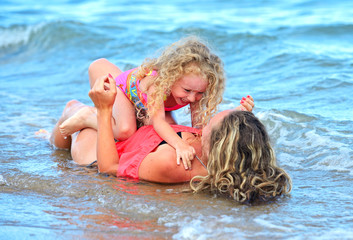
(242, 164)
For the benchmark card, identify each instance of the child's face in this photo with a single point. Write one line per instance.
(188, 89)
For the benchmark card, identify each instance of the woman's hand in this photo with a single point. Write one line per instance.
(246, 104)
(103, 92)
(186, 154)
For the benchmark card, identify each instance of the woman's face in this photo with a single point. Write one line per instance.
(206, 131)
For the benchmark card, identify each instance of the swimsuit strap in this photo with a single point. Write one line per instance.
(152, 73)
(133, 91)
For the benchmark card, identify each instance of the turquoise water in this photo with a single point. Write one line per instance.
(294, 57)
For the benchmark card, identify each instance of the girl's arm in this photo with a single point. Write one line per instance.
(184, 151)
(103, 96)
(193, 107)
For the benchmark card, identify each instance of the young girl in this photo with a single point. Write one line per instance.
(186, 73)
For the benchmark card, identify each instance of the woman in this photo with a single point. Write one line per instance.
(234, 146)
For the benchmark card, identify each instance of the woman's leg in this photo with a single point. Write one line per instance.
(56, 138)
(123, 122)
(84, 146)
(85, 117)
(124, 117)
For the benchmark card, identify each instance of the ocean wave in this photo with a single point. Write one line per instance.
(335, 81)
(19, 35)
(304, 141)
(325, 40)
(318, 31)
(49, 36)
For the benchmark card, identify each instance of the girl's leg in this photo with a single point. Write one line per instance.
(102, 67)
(124, 117)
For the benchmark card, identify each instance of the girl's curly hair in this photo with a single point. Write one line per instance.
(188, 55)
(241, 162)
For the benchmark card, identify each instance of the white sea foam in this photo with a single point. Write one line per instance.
(269, 225)
(2, 180)
(211, 227)
(299, 141)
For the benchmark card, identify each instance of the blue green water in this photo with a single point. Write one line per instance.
(294, 57)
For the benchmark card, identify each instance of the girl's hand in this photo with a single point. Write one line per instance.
(186, 153)
(246, 104)
(103, 92)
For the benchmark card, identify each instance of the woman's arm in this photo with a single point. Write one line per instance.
(103, 95)
(246, 104)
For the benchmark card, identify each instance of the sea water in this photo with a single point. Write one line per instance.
(295, 57)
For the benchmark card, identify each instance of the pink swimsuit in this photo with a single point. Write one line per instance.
(133, 150)
(130, 85)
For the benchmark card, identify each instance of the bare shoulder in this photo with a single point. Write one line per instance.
(155, 165)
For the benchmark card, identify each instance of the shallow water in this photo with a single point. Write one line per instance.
(293, 57)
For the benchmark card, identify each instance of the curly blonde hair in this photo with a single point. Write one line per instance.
(188, 55)
(242, 163)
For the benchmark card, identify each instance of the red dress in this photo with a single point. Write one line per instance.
(133, 150)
